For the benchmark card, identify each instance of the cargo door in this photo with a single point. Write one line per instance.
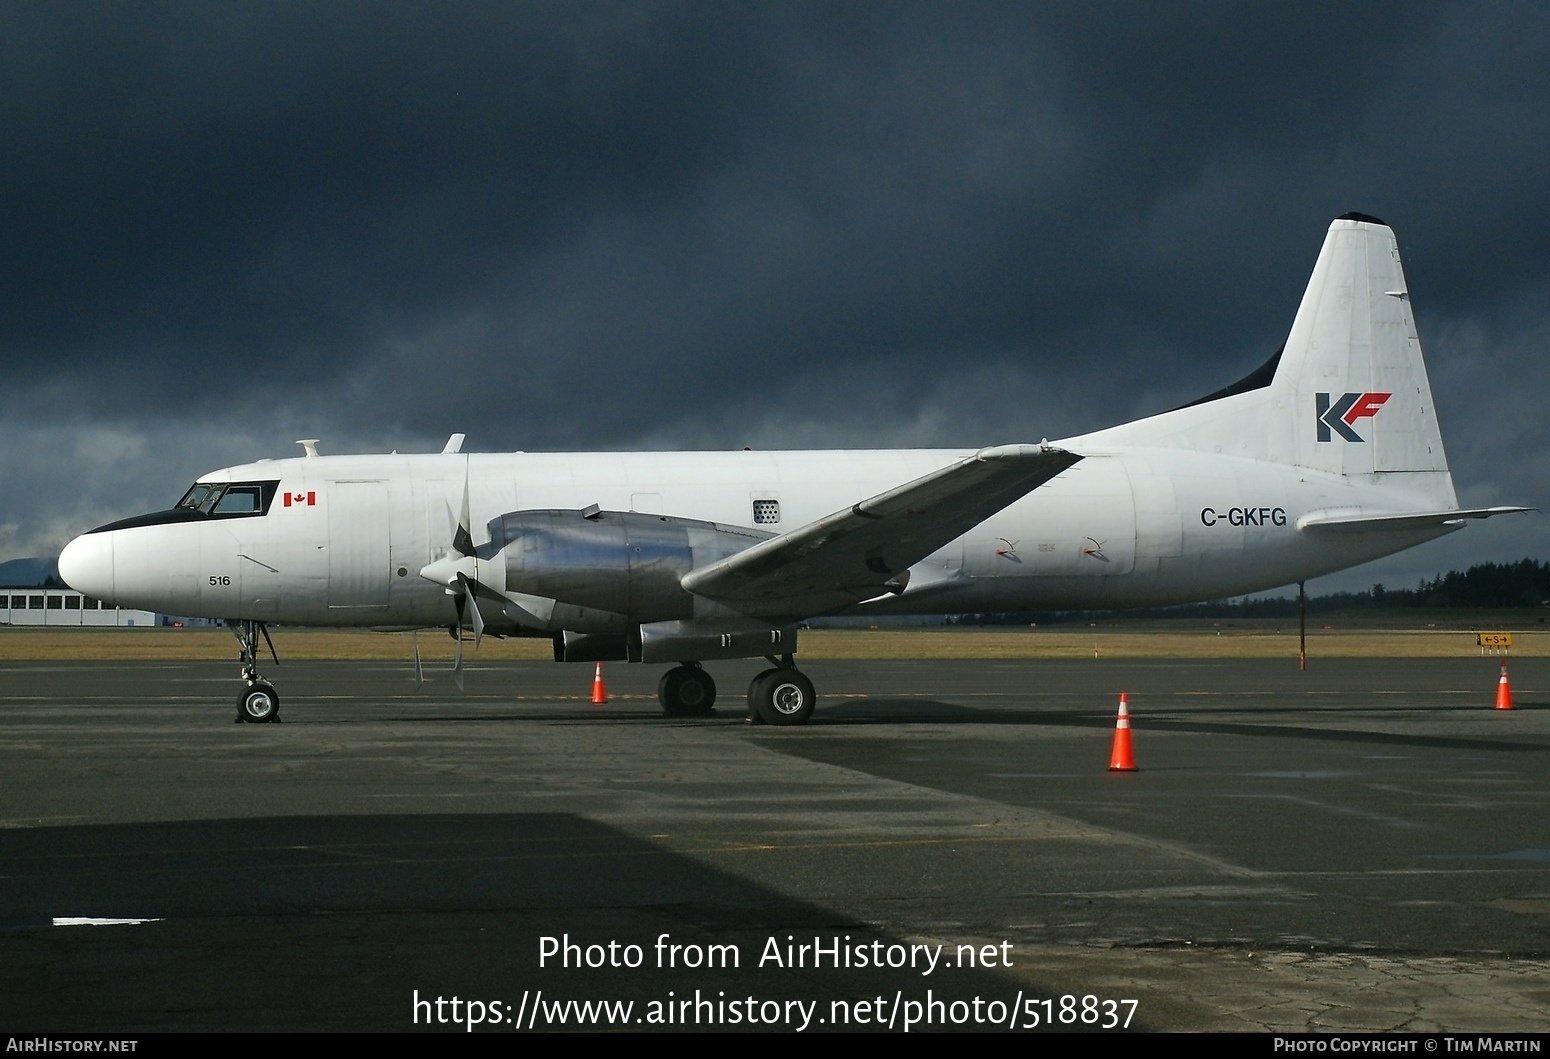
(359, 546)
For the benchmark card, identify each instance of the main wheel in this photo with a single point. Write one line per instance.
(783, 697)
(259, 703)
(754, 693)
(686, 691)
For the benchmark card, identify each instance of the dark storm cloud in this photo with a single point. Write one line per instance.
(615, 225)
(192, 184)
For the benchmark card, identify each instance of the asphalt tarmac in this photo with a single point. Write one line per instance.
(1363, 846)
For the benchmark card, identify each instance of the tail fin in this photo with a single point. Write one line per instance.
(1352, 366)
(1347, 394)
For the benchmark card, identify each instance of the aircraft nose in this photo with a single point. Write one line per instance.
(86, 564)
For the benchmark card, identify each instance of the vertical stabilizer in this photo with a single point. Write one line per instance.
(1352, 363)
(1348, 394)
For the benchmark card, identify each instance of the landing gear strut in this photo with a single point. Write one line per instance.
(259, 703)
(686, 691)
(781, 696)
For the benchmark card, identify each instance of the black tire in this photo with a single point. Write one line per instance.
(754, 692)
(686, 691)
(783, 697)
(259, 703)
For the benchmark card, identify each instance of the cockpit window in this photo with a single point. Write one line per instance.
(233, 499)
(195, 496)
(240, 500)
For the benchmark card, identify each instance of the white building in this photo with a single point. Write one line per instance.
(65, 607)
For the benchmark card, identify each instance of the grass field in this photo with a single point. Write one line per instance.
(1355, 637)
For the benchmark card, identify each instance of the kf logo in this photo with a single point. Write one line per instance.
(1343, 414)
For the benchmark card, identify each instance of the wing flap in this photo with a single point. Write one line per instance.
(859, 552)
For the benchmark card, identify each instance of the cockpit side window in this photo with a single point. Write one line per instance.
(240, 500)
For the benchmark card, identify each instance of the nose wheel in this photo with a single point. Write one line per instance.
(259, 703)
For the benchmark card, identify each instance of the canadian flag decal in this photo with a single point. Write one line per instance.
(301, 499)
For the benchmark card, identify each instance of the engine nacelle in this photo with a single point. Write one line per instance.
(678, 641)
(625, 562)
(592, 647)
(687, 641)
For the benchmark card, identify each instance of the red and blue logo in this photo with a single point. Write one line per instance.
(1339, 417)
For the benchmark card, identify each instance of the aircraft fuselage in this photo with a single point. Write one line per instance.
(344, 537)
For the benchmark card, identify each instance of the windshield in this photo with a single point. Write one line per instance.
(195, 497)
(234, 498)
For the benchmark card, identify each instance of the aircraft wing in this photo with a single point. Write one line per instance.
(867, 549)
(1418, 520)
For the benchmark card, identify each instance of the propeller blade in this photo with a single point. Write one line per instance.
(468, 587)
(460, 596)
(477, 618)
(419, 670)
(463, 538)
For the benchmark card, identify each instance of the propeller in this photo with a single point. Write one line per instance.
(458, 572)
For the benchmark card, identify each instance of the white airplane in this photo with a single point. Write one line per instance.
(1326, 457)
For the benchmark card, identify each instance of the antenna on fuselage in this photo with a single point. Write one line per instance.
(309, 446)
(454, 444)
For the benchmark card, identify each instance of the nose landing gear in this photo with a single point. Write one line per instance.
(259, 703)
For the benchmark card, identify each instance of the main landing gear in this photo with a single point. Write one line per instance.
(779, 696)
(686, 691)
(259, 702)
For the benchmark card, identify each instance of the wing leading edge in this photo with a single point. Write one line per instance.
(867, 549)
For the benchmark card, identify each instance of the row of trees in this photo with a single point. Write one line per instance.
(1525, 583)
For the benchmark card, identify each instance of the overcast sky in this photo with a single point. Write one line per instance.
(579, 226)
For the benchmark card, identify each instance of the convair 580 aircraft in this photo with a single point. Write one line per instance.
(1328, 456)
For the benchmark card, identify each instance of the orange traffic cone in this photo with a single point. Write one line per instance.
(599, 695)
(1122, 758)
(1503, 691)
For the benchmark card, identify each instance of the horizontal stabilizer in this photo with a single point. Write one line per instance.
(862, 551)
(1412, 521)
